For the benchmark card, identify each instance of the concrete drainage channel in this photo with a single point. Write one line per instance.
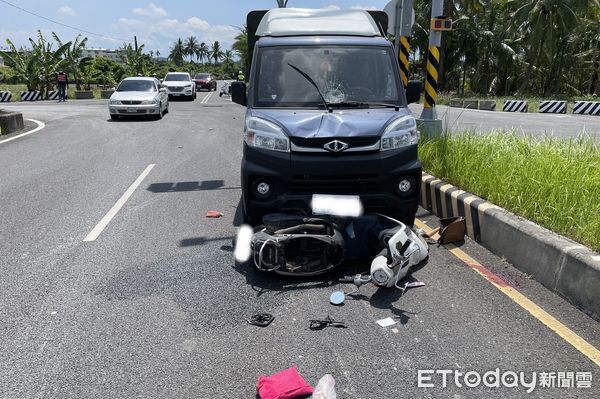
(564, 266)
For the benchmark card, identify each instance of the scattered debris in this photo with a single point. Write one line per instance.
(286, 384)
(261, 319)
(386, 322)
(337, 298)
(451, 230)
(325, 389)
(327, 322)
(213, 214)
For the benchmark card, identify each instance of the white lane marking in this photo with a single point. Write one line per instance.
(40, 126)
(117, 207)
(205, 99)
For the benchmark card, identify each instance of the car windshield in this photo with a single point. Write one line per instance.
(202, 76)
(344, 74)
(136, 85)
(179, 77)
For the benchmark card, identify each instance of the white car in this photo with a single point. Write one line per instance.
(180, 84)
(139, 96)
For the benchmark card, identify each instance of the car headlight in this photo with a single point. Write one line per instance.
(150, 102)
(260, 133)
(114, 102)
(400, 133)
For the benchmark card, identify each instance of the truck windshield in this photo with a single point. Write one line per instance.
(344, 74)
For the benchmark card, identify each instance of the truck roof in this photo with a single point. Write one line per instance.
(302, 22)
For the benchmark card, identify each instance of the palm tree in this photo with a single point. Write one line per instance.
(203, 52)
(216, 53)
(177, 52)
(24, 64)
(157, 53)
(135, 60)
(73, 58)
(191, 46)
(240, 46)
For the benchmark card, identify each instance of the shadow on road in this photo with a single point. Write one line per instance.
(186, 186)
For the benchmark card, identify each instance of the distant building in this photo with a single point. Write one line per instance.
(101, 52)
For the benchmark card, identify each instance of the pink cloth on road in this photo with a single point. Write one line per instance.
(287, 384)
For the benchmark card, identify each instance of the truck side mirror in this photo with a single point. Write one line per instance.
(238, 93)
(413, 91)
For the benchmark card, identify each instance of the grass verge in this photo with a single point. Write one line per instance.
(553, 182)
(18, 88)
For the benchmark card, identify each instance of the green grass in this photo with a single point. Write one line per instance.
(553, 182)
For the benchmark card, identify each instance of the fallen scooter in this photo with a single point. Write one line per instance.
(225, 89)
(299, 245)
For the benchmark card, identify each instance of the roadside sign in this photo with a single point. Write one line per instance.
(441, 24)
(406, 20)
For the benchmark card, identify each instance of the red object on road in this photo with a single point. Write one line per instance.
(287, 384)
(213, 214)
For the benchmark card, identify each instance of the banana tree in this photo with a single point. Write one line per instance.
(50, 61)
(73, 59)
(24, 64)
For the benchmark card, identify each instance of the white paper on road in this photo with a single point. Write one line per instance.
(386, 322)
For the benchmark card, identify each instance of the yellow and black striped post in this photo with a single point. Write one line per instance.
(403, 57)
(431, 82)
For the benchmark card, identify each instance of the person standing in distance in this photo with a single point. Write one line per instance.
(62, 82)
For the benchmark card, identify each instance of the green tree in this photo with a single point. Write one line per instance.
(50, 61)
(136, 62)
(24, 65)
(240, 46)
(177, 52)
(191, 47)
(216, 52)
(203, 52)
(72, 57)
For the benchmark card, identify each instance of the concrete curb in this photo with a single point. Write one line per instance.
(561, 265)
(10, 122)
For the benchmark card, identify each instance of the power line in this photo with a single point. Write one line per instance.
(65, 25)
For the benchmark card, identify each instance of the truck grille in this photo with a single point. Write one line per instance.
(334, 184)
(316, 144)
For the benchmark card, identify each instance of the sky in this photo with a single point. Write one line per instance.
(157, 24)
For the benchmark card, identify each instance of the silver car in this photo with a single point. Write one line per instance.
(139, 96)
(180, 84)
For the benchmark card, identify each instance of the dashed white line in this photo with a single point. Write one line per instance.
(205, 99)
(40, 126)
(116, 207)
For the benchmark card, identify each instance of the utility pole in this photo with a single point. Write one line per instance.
(135, 43)
(401, 18)
(429, 123)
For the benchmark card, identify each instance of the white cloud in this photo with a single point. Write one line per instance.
(361, 7)
(332, 7)
(152, 10)
(66, 10)
(161, 33)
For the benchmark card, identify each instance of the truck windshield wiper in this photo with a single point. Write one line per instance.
(364, 104)
(312, 82)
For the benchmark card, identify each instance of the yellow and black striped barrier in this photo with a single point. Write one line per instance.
(403, 56)
(433, 66)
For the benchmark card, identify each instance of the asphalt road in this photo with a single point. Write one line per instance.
(155, 307)
(556, 125)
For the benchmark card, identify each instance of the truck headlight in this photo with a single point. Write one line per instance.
(261, 133)
(400, 133)
(114, 102)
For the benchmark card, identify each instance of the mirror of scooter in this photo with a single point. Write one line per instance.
(337, 297)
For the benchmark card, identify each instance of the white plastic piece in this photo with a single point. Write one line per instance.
(242, 249)
(302, 22)
(325, 389)
(388, 321)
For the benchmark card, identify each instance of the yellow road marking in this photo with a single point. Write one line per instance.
(560, 329)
